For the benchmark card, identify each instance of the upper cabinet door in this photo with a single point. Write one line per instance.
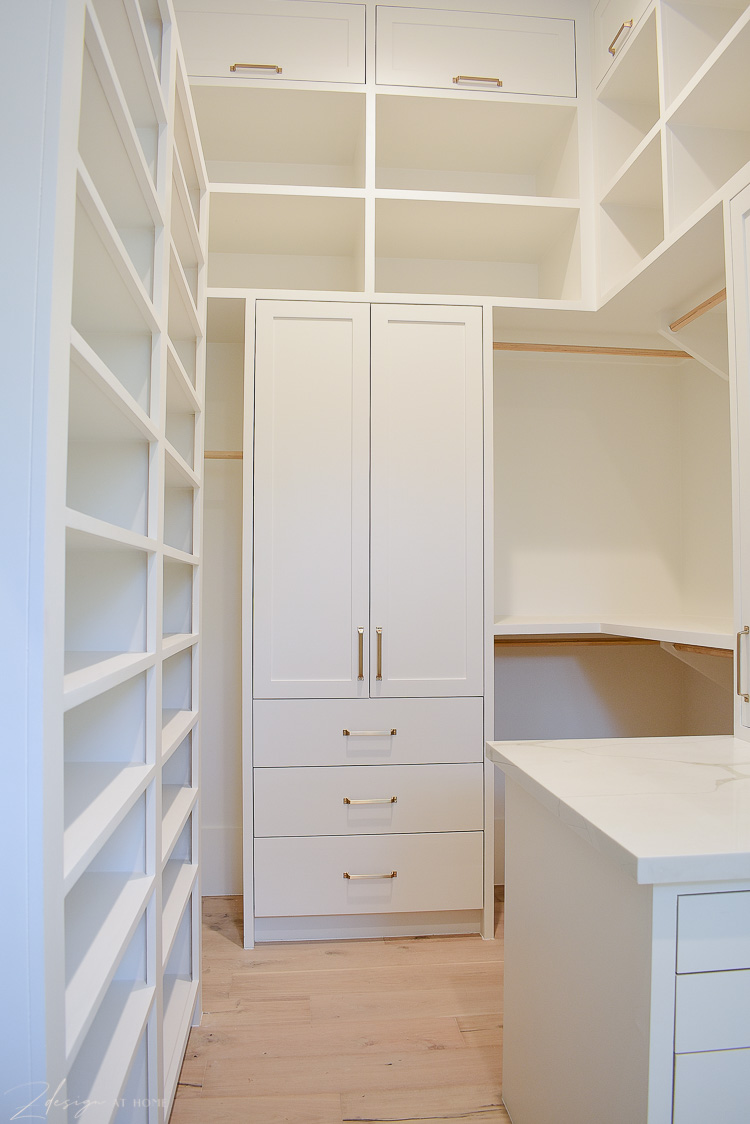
(311, 502)
(427, 502)
(285, 39)
(476, 51)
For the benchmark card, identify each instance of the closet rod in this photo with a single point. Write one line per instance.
(699, 309)
(586, 349)
(223, 455)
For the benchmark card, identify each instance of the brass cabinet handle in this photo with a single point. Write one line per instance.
(379, 672)
(740, 692)
(393, 874)
(369, 733)
(374, 800)
(255, 66)
(611, 48)
(361, 642)
(476, 78)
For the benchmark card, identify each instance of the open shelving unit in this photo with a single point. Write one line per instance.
(130, 701)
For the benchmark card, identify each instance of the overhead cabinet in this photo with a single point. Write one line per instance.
(285, 39)
(368, 501)
(476, 51)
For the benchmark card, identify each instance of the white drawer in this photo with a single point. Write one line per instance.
(425, 47)
(310, 731)
(713, 931)
(308, 41)
(305, 877)
(712, 1011)
(410, 798)
(611, 19)
(712, 1087)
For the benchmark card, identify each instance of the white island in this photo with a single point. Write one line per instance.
(627, 930)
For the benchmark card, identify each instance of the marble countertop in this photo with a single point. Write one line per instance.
(665, 809)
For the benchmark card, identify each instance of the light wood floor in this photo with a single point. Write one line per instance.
(397, 1029)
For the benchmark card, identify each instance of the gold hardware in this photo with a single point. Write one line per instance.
(370, 733)
(375, 800)
(393, 874)
(379, 673)
(254, 66)
(743, 696)
(475, 78)
(611, 48)
(361, 642)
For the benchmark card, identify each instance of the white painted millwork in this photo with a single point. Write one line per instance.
(614, 23)
(713, 932)
(311, 504)
(485, 51)
(739, 218)
(306, 41)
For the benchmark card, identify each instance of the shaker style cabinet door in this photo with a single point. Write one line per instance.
(476, 51)
(427, 502)
(292, 40)
(311, 502)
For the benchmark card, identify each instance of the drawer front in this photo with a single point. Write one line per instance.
(424, 47)
(288, 732)
(712, 1012)
(611, 18)
(713, 931)
(305, 877)
(407, 798)
(309, 41)
(712, 1086)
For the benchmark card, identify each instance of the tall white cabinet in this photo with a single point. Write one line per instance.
(368, 619)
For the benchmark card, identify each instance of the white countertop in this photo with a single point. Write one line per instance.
(665, 809)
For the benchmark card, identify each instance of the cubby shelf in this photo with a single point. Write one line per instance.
(180, 642)
(98, 795)
(176, 725)
(102, 1065)
(692, 33)
(88, 363)
(102, 911)
(178, 802)
(178, 881)
(94, 528)
(88, 674)
(180, 993)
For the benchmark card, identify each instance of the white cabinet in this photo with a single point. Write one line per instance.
(739, 212)
(368, 794)
(614, 21)
(346, 607)
(286, 39)
(472, 50)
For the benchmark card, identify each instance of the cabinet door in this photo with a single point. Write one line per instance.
(476, 51)
(739, 309)
(427, 502)
(614, 24)
(285, 39)
(311, 507)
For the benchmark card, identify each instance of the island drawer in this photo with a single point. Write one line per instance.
(289, 732)
(712, 1011)
(709, 1084)
(368, 799)
(713, 931)
(387, 874)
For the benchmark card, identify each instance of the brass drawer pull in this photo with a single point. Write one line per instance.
(393, 874)
(476, 78)
(740, 692)
(361, 643)
(255, 66)
(374, 800)
(611, 48)
(370, 733)
(379, 672)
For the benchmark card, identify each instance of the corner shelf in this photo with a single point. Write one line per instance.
(281, 136)
(441, 144)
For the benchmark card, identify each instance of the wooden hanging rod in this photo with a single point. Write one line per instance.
(223, 455)
(699, 309)
(585, 349)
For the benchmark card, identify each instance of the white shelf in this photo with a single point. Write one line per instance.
(88, 674)
(632, 217)
(89, 363)
(178, 802)
(180, 995)
(281, 136)
(102, 911)
(502, 250)
(176, 725)
(178, 880)
(705, 633)
(182, 412)
(178, 643)
(174, 360)
(187, 145)
(691, 33)
(178, 472)
(149, 15)
(102, 533)
(443, 144)
(102, 1065)
(98, 795)
(178, 597)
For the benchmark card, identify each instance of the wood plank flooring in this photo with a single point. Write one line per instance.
(332, 1032)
